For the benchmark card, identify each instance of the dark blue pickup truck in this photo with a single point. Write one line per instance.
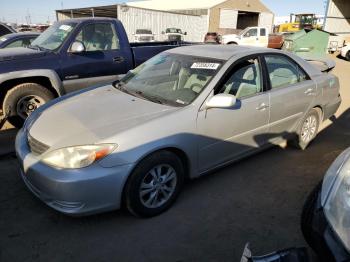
(68, 56)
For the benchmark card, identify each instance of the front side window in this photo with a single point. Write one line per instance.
(283, 72)
(263, 32)
(245, 80)
(54, 36)
(98, 37)
(252, 32)
(170, 79)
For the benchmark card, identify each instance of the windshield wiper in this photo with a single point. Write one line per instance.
(39, 48)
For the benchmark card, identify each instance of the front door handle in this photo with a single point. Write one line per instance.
(118, 59)
(262, 107)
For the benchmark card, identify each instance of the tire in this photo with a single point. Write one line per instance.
(19, 98)
(137, 204)
(313, 238)
(348, 56)
(232, 43)
(301, 141)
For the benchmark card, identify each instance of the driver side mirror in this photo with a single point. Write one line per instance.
(77, 47)
(185, 33)
(221, 101)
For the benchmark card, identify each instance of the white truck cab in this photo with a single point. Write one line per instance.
(254, 36)
(345, 51)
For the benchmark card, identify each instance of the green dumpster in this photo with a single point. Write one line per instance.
(307, 43)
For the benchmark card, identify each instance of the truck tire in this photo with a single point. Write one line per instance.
(22, 100)
(307, 130)
(348, 56)
(154, 184)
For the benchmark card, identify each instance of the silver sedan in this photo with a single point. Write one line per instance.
(180, 115)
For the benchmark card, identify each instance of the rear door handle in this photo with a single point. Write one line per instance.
(262, 107)
(309, 91)
(118, 59)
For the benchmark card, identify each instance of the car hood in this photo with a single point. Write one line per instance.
(19, 53)
(93, 117)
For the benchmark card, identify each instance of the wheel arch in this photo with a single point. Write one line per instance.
(175, 150)
(47, 78)
(320, 111)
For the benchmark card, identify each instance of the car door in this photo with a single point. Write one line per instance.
(251, 37)
(101, 61)
(263, 38)
(225, 134)
(292, 92)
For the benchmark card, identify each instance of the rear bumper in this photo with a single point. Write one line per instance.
(84, 191)
(330, 109)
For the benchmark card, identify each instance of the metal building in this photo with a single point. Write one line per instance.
(196, 17)
(140, 18)
(337, 18)
(223, 16)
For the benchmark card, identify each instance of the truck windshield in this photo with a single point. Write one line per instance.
(170, 79)
(143, 32)
(173, 31)
(54, 36)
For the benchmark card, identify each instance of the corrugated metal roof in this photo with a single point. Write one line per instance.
(176, 4)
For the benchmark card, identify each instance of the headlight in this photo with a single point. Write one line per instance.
(77, 156)
(336, 197)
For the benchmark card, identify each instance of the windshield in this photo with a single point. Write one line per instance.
(173, 31)
(170, 79)
(143, 32)
(244, 31)
(54, 36)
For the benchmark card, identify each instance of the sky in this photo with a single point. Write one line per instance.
(41, 11)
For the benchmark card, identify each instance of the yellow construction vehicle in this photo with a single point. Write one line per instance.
(299, 22)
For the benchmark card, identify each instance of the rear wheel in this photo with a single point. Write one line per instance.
(154, 184)
(22, 100)
(308, 129)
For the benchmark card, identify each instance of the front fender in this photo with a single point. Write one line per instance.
(50, 74)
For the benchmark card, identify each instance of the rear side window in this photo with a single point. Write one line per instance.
(98, 37)
(283, 72)
(245, 80)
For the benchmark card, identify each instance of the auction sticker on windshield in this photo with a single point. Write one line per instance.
(211, 66)
(65, 27)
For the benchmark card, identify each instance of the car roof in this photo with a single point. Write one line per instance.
(222, 52)
(83, 19)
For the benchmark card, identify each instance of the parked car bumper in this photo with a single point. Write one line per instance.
(321, 227)
(344, 51)
(82, 191)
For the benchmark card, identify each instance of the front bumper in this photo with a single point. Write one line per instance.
(84, 191)
(323, 229)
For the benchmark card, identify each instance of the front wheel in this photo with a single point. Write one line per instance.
(22, 100)
(154, 184)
